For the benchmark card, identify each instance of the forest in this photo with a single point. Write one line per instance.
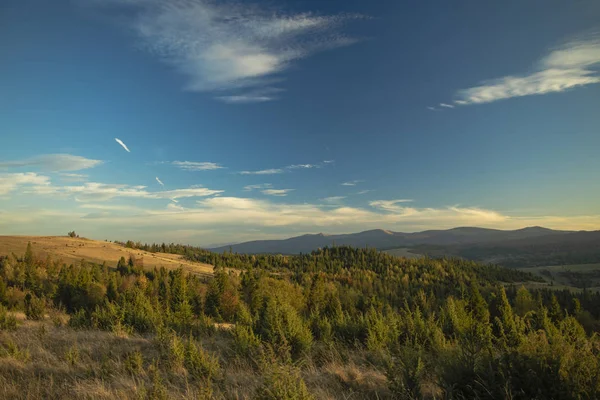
(337, 323)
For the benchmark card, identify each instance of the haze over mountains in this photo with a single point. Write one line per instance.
(384, 239)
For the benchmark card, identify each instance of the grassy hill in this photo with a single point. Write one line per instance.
(73, 250)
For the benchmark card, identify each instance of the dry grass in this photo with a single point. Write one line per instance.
(53, 362)
(73, 250)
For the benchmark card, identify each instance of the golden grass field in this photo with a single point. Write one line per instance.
(73, 250)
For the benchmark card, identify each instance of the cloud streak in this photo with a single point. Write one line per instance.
(273, 171)
(352, 183)
(197, 166)
(122, 144)
(160, 182)
(53, 162)
(276, 192)
(565, 68)
(235, 47)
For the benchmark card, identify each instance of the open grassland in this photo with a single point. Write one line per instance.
(574, 277)
(73, 250)
(50, 360)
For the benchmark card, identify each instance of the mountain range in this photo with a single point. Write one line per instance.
(384, 239)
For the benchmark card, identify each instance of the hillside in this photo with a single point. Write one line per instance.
(338, 323)
(73, 250)
(383, 239)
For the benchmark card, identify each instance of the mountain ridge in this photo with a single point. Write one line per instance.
(385, 239)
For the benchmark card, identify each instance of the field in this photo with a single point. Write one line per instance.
(73, 250)
(577, 276)
(403, 252)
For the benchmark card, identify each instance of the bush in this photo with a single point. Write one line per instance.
(200, 364)
(134, 363)
(283, 383)
(10, 349)
(72, 355)
(34, 307)
(245, 342)
(8, 322)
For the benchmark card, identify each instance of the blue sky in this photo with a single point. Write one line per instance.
(271, 119)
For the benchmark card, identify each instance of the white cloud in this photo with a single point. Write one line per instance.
(228, 46)
(277, 192)
(197, 166)
(11, 182)
(565, 68)
(53, 162)
(446, 105)
(351, 183)
(364, 191)
(123, 145)
(229, 219)
(271, 171)
(259, 186)
(432, 108)
(160, 182)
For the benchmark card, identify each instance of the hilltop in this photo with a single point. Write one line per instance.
(73, 250)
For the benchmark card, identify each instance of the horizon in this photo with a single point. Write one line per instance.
(208, 123)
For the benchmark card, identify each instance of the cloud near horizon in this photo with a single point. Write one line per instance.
(233, 218)
(570, 66)
(239, 48)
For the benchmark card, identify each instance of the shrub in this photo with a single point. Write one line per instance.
(8, 322)
(283, 383)
(199, 363)
(10, 349)
(34, 307)
(80, 320)
(134, 363)
(72, 355)
(245, 342)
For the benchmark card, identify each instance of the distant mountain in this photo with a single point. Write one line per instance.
(383, 239)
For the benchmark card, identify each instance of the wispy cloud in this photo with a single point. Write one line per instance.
(364, 191)
(254, 96)
(333, 199)
(197, 166)
(53, 162)
(122, 144)
(95, 191)
(160, 182)
(352, 183)
(231, 46)
(570, 66)
(259, 186)
(446, 105)
(389, 205)
(277, 192)
(271, 171)
(292, 167)
(70, 177)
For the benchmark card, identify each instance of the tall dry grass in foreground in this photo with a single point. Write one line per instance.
(49, 360)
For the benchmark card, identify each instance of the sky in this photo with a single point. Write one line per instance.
(214, 122)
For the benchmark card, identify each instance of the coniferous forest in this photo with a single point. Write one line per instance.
(337, 323)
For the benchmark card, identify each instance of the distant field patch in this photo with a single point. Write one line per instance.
(403, 252)
(578, 276)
